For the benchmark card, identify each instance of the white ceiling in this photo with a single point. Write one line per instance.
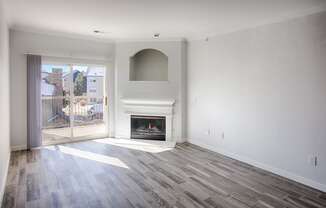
(133, 19)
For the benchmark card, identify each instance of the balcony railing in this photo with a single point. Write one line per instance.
(58, 111)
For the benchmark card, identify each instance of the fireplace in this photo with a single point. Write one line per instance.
(148, 127)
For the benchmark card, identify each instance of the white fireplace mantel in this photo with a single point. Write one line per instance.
(157, 107)
(148, 107)
(161, 102)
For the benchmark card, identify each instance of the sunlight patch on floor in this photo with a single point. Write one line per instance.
(49, 148)
(150, 146)
(93, 156)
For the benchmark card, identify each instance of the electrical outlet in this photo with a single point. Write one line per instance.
(310, 159)
(208, 132)
(194, 101)
(213, 132)
(313, 160)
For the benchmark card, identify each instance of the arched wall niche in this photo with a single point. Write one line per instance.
(148, 65)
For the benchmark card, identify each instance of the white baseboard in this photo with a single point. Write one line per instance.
(4, 180)
(18, 147)
(181, 140)
(278, 171)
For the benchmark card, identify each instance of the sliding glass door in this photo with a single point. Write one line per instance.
(74, 102)
(88, 101)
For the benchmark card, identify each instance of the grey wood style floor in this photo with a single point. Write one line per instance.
(93, 174)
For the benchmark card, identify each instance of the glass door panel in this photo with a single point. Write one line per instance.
(55, 95)
(89, 105)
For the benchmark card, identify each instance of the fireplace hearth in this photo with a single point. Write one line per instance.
(148, 127)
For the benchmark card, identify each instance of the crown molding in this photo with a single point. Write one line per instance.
(283, 18)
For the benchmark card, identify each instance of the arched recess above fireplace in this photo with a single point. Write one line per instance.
(148, 65)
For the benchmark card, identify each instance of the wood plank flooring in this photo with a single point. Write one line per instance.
(102, 174)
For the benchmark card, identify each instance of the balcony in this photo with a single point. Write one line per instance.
(65, 122)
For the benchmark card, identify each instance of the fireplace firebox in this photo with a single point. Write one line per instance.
(148, 127)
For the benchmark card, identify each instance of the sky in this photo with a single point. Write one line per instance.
(65, 68)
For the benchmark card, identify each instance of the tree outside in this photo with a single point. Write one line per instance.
(79, 87)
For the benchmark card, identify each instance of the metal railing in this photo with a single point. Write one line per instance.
(59, 111)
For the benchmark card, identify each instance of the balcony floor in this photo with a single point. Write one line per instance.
(63, 135)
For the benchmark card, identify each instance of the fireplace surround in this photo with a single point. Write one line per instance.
(159, 109)
(148, 127)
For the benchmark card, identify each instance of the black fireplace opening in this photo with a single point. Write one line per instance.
(148, 127)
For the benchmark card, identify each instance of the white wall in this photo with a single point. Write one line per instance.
(171, 89)
(265, 88)
(22, 43)
(4, 101)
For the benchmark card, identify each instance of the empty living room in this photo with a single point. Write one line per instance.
(177, 104)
